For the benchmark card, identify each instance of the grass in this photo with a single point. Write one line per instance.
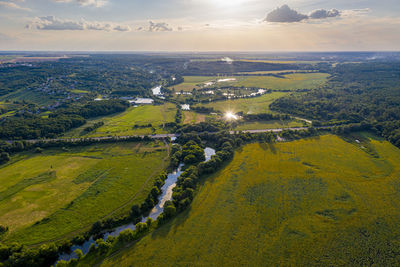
(192, 82)
(51, 195)
(76, 91)
(193, 117)
(313, 202)
(268, 125)
(122, 124)
(287, 82)
(247, 105)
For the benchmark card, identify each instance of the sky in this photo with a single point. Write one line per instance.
(200, 25)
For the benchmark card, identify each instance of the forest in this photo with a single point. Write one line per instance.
(366, 92)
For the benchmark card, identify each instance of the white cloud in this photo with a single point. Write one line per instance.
(95, 3)
(156, 27)
(56, 24)
(13, 5)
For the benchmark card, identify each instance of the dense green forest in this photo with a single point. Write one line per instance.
(31, 126)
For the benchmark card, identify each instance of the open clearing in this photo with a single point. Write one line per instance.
(313, 202)
(259, 125)
(286, 82)
(193, 117)
(47, 196)
(289, 82)
(123, 123)
(252, 105)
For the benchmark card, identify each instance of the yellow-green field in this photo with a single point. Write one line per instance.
(122, 124)
(274, 71)
(193, 117)
(289, 82)
(269, 125)
(313, 202)
(63, 191)
(191, 82)
(247, 105)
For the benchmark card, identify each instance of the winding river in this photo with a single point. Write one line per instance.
(166, 194)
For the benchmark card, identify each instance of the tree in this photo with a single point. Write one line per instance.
(4, 157)
(78, 253)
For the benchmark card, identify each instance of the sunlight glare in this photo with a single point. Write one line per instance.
(230, 116)
(228, 3)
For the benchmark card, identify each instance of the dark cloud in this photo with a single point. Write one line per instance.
(52, 23)
(286, 14)
(323, 14)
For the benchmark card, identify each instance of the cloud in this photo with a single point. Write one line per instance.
(159, 27)
(122, 28)
(56, 24)
(323, 14)
(286, 14)
(95, 3)
(12, 5)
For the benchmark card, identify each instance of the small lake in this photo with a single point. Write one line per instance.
(166, 194)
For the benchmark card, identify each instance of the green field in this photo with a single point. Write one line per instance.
(192, 82)
(247, 105)
(314, 202)
(122, 124)
(64, 191)
(287, 82)
(193, 117)
(268, 125)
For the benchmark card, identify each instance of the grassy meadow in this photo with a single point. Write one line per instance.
(268, 125)
(122, 124)
(193, 117)
(64, 191)
(192, 82)
(287, 82)
(252, 105)
(313, 202)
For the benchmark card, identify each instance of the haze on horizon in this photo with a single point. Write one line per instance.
(200, 25)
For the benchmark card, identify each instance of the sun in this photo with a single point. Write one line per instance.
(230, 116)
(227, 3)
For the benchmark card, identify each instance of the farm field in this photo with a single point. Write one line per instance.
(252, 105)
(313, 202)
(269, 125)
(289, 82)
(193, 117)
(123, 123)
(192, 82)
(62, 191)
(273, 72)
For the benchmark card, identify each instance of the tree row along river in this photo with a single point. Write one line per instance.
(166, 194)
